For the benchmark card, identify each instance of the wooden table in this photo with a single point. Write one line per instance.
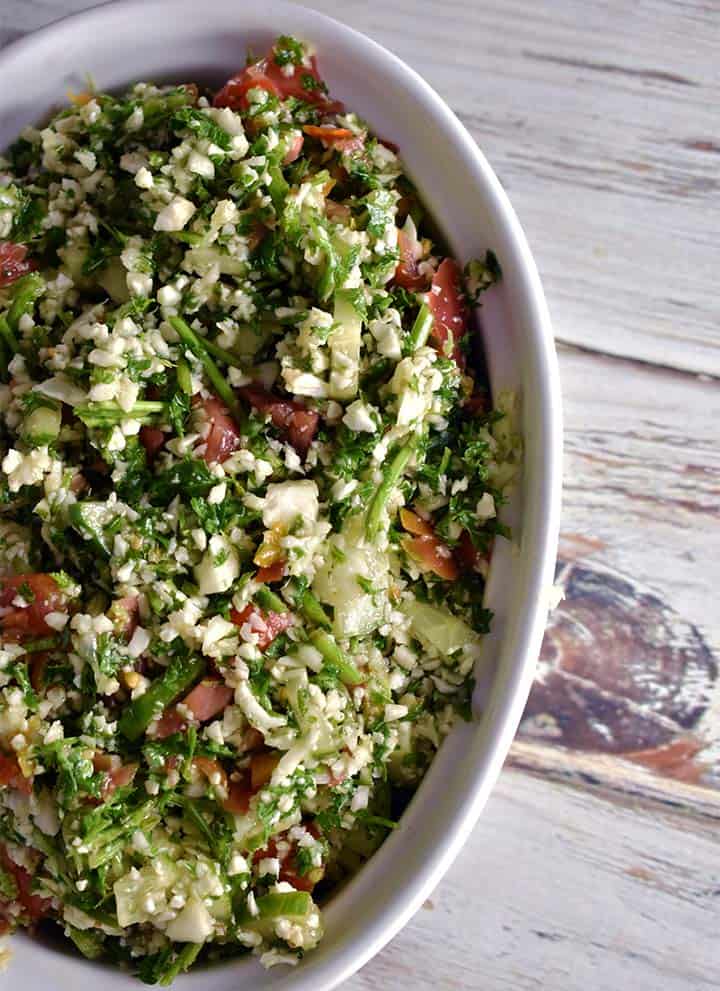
(597, 863)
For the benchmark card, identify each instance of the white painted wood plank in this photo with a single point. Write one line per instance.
(560, 889)
(601, 121)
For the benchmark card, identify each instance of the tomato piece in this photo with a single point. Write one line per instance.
(304, 83)
(261, 769)
(295, 149)
(450, 315)
(407, 274)
(208, 699)
(118, 777)
(433, 555)
(239, 795)
(152, 439)
(213, 771)
(272, 573)
(338, 212)
(478, 404)
(14, 262)
(427, 548)
(43, 595)
(223, 436)
(11, 775)
(467, 555)
(170, 722)
(286, 853)
(415, 524)
(265, 625)
(337, 138)
(35, 906)
(295, 421)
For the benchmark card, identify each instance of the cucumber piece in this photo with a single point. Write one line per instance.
(344, 343)
(41, 426)
(437, 627)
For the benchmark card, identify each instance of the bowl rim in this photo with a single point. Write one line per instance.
(543, 497)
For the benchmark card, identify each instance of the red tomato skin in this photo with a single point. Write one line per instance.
(295, 149)
(337, 138)
(152, 439)
(406, 273)
(223, 436)
(266, 626)
(450, 316)
(208, 698)
(239, 796)
(272, 573)
(170, 722)
(13, 263)
(35, 906)
(268, 75)
(431, 552)
(298, 423)
(118, 778)
(12, 777)
(20, 621)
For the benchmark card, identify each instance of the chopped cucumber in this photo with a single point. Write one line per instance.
(344, 343)
(437, 627)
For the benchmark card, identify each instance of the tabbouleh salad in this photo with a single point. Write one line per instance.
(249, 491)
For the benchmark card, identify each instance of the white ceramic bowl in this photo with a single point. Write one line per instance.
(182, 40)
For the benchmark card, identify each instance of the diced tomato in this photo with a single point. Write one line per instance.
(298, 423)
(35, 906)
(337, 138)
(433, 555)
(213, 771)
(170, 722)
(286, 853)
(450, 315)
(125, 614)
(272, 573)
(253, 739)
(407, 274)
(261, 769)
(13, 262)
(118, 777)
(223, 437)
(304, 83)
(415, 524)
(11, 775)
(478, 403)
(239, 796)
(296, 147)
(152, 439)
(265, 625)
(467, 555)
(43, 595)
(338, 212)
(208, 698)
(431, 552)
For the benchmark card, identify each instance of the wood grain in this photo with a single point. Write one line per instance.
(561, 888)
(596, 863)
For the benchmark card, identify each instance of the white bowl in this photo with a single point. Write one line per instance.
(184, 40)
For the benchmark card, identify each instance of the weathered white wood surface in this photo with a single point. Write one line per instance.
(596, 865)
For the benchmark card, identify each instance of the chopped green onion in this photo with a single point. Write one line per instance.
(202, 350)
(110, 414)
(420, 330)
(391, 477)
(178, 678)
(335, 659)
